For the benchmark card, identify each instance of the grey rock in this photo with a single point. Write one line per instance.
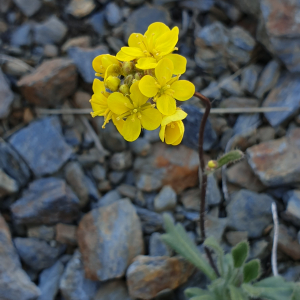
(113, 290)
(239, 102)
(97, 21)
(22, 36)
(49, 281)
(148, 183)
(73, 137)
(47, 201)
(109, 238)
(80, 8)
(246, 123)
(231, 87)
(142, 17)
(292, 274)
(215, 226)
(8, 185)
(134, 2)
(42, 146)
(116, 177)
(73, 284)
(212, 91)
(151, 221)
(268, 78)
(42, 232)
(165, 200)
(127, 190)
(235, 237)
(52, 31)
(109, 198)
(192, 124)
(121, 161)
(230, 10)
(14, 282)
(83, 58)
(6, 96)
(152, 136)
(284, 94)
(259, 249)
(248, 7)
(213, 194)
(91, 157)
(292, 213)
(241, 38)
(99, 172)
(13, 165)
(140, 147)
(37, 254)
(28, 8)
(157, 247)
(113, 14)
(249, 78)
(248, 207)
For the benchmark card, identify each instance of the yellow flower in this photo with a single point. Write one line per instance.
(148, 49)
(165, 88)
(102, 62)
(137, 112)
(172, 128)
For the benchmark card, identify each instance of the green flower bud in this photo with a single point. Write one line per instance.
(138, 75)
(124, 89)
(128, 80)
(127, 67)
(112, 83)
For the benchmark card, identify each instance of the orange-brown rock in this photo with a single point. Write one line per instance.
(53, 81)
(149, 275)
(66, 234)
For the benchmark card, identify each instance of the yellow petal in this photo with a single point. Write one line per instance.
(162, 133)
(166, 105)
(118, 103)
(97, 64)
(181, 128)
(133, 51)
(179, 63)
(108, 60)
(124, 57)
(177, 116)
(151, 118)
(164, 71)
(135, 39)
(184, 90)
(172, 133)
(155, 30)
(112, 70)
(146, 63)
(98, 86)
(136, 96)
(98, 106)
(118, 123)
(166, 43)
(148, 86)
(101, 62)
(132, 128)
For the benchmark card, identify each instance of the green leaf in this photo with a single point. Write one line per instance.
(296, 294)
(177, 238)
(240, 254)
(251, 270)
(194, 291)
(212, 243)
(207, 297)
(236, 293)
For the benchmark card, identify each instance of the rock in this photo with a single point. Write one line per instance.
(284, 94)
(192, 124)
(6, 96)
(80, 41)
(43, 232)
(249, 78)
(13, 165)
(246, 208)
(28, 8)
(116, 177)
(248, 7)
(127, 190)
(203, 6)
(113, 14)
(231, 87)
(66, 234)
(16, 68)
(242, 175)
(274, 162)
(147, 276)
(97, 21)
(142, 17)
(52, 82)
(265, 134)
(51, 31)
(268, 78)
(50, 51)
(22, 35)
(292, 274)
(82, 99)
(174, 166)
(42, 146)
(109, 238)
(152, 136)
(99, 172)
(246, 123)
(151, 221)
(121, 161)
(235, 237)
(165, 200)
(90, 158)
(157, 247)
(37, 254)
(140, 147)
(80, 8)
(113, 290)
(259, 249)
(292, 213)
(49, 281)
(5, 5)
(47, 201)
(73, 284)
(73, 137)
(8, 185)
(83, 58)
(213, 91)
(109, 198)
(14, 282)
(230, 10)
(279, 32)
(213, 194)
(215, 226)
(238, 102)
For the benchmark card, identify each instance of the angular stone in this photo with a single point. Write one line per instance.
(43, 232)
(121, 161)
(174, 166)
(127, 190)
(83, 58)
(215, 227)
(80, 41)
(99, 172)
(148, 275)
(242, 175)
(14, 282)
(292, 213)
(165, 200)
(151, 221)
(235, 237)
(51, 31)
(42, 146)
(47, 201)
(6, 96)
(113, 290)
(275, 162)
(157, 247)
(28, 8)
(246, 208)
(113, 14)
(80, 8)
(109, 238)
(52, 82)
(37, 254)
(284, 94)
(192, 124)
(73, 284)
(22, 35)
(249, 78)
(8, 185)
(140, 147)
(66, 234)
(246, 123)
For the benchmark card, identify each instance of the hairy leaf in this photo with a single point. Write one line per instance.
(251, 270)
(212, 243)
(236, 293)
(194, 291)
(240, 253)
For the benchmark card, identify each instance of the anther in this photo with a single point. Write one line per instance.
(135, 110)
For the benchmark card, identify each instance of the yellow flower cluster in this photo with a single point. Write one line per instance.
(141, 85)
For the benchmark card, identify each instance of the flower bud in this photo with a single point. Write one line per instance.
(150, 72)
(138, 76)
(112, 83)
(127, 67)
(128, 80)
(124, 89)
(212, 164)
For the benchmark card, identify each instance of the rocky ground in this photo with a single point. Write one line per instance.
(81, 221)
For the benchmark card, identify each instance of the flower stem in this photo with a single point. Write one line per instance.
(203, 176)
